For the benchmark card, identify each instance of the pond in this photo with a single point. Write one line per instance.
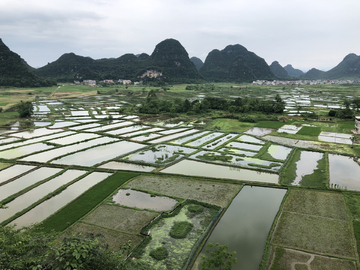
(32, 196)
(204, 139)
(14, 171)
(79, 137)
(278, 151)
(245, 225)
(142, 200)
(24, 150)
(26, 181)
(258, 131)
(160, 154)
(306, 165)
(99, 154)
(127, 130)
(246, 146)
(344, 172)
(54, 153)
(250, 139)
(220, 141)
(116, 165)
(188, 138)
(47, 208)
(34, 133)
(195, 168)
(173, 136)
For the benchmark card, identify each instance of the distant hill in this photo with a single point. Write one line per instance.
(235, 63)
(314, 74)
(293, 72)
(14, 71)
(278, 70)
(348, 68)
(169, 62)
(197, 62)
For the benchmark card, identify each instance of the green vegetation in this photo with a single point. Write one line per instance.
(219, 258)
(181, 229)
(309, 131)
(74, 211)
(25, 109)
(159, 254)
(28, 249)
(214, 157)
(269, 124)
(353, 203)
(226, 124)
(195, 208)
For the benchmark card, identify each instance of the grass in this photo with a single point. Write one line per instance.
(181, 229)
(229, 125)
(214, 157)
(159, 253)
(353, 204)
(269, 124)
(81, 206)
(289, 172)
(315, 234)
(309, 131)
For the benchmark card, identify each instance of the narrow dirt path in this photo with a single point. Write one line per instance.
(54, 91)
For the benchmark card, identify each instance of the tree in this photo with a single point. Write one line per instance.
(219, 258)
(25, 109)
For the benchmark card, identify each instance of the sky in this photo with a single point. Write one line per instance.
(304, 33)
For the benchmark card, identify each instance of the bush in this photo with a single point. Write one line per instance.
(195, 208)
(181, 229)
(159, 254)
(25, 109)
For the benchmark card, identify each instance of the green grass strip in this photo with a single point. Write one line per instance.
(310, 131)
(269, 124)
(87, 201)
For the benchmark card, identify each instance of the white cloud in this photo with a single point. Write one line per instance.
(304, 33)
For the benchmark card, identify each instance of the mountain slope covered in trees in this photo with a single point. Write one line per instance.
(278, 70)
(235, 63)
(14, 72)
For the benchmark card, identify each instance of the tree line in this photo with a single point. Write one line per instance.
(153, 105)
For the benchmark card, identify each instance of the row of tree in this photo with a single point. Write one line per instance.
(153, 105)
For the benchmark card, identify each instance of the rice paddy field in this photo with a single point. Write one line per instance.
(87, 162)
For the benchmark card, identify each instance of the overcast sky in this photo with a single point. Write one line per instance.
(304, 33)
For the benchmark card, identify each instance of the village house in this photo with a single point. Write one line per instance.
(357, 124)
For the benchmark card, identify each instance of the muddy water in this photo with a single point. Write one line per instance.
(142, 200)
(278, 151)
(344, 172)
(246, 224)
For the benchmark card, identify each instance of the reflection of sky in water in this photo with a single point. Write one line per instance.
(279, 152)
(246, 224)
(306, 165)
(344, 171)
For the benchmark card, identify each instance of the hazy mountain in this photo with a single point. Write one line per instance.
(197, 62)
(314, 74)
(293, 72)
(348, 68)
(169, 62)
(235, 63)
(278, 70)
(15, 72)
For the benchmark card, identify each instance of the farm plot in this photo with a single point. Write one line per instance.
(277, 152)
(189, 138)
(344, 172)
(35, 133)
(13, 171)
(306, 169)
(285, 258)
(127, 130)
(250, 139)
(115, 239)
(237, 161)
(99, 154)
(119, 218)
(315, 222)
(24, 150)
(143, 200)
(160, 154)
(204, 139)
(219, 142)
(195, 168)
(172, 237)
(116, 165)
(183, 187)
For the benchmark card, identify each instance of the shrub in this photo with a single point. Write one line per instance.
(181, 229)
(195, 208)
(159, 254)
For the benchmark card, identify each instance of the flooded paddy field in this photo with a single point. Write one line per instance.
(70, 134)
(257, 207)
